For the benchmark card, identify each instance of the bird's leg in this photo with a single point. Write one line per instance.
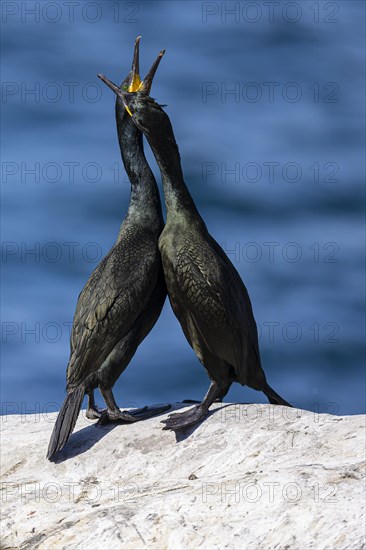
(218, 399)
(273, 396)
(114, 414)
(225, 388)
(92, 412)
(177, 421)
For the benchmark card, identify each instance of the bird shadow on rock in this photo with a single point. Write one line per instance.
(80, 442)
(235, 416)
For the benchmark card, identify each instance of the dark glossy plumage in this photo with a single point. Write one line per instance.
(205, 290)
(123, 297)
(110, 306)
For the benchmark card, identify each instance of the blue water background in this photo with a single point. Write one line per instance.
(297, 241)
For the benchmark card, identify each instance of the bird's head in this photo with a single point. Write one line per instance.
(139, 106)
(133, 83)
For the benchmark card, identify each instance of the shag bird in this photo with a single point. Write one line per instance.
(123, 298)
(205, 290)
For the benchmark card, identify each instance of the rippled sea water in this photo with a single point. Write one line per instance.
(267, 105)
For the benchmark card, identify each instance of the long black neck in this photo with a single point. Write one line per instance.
(145, 205)
(178, 200)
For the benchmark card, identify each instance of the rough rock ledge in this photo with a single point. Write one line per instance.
(249, 477)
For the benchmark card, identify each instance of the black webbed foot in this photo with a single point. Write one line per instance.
(93, 413)
(178, 421)
(127, 417)
(116, 416)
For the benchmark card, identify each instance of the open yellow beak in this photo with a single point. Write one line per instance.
(135, 83)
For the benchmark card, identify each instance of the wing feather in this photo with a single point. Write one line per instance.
(112, 299)
(218, 302)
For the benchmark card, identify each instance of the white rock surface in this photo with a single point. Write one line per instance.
(249, 477)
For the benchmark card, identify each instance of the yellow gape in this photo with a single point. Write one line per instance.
(135, 86)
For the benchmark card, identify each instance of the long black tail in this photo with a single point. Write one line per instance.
(273, 397)
(66, 420)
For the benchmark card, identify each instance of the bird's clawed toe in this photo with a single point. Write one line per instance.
(136, 415)
(149, 412)
(94, 413)
(109, 416)
(179, 421)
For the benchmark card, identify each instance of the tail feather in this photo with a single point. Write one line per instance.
(274, 398)
(66, 420)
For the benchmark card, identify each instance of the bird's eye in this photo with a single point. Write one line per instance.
(125, 87)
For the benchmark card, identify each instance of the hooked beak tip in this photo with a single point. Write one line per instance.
(110, 84)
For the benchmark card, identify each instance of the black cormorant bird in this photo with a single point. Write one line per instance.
(123, 297)
(206, 292)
